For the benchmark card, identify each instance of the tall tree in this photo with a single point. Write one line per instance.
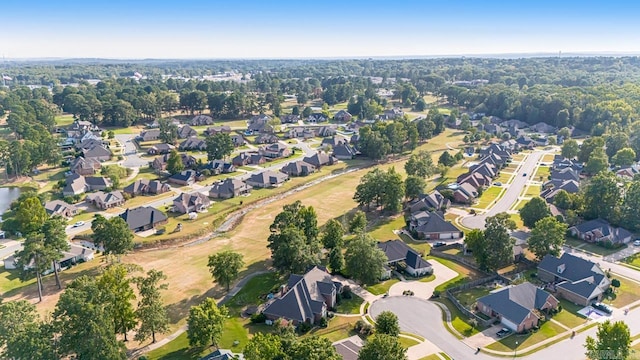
(393, 191)
(30, 215)
(219, 146)
(312, 348)
(85, 325)
(387, 323)
(225, 266)
(263, 346)
(168, 131)
(475, 241)
(34, 257)
(570, 149)
(364, 260)
(497, 239)
(174, 162)
(588, 146)
(116, 286)
(113, 234)
(533, 211)
(382, 347)
(547, 237)
(630, 206)
(420, 164)
(598, 162)
(414, 187)
(447, 159)
(151, 312)
(206, 323)
(358, 222)
(332, 234)
(602, 197)
(55, 242)
(624, 157)
(22, 334)
(613, 341)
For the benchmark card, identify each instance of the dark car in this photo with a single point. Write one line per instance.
(503, 332)
(438, 244)
(602, 307)
(525, 174)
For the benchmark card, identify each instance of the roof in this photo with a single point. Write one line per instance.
(82, 163)
(298, 167)
(396, 250)
(96, 151)
(141, 184)
(604, 228)
(414, 261)
(344, 150)
(223, 354)
(515, 303)
(319, 159)
(304, 297)
(349, 348)
(58, 206)
(437, 224)
(186, 131)
(106, 198)
(229, 186)
(573, 268)
(185, 175)
(142, 216)
(150, 133)
(193, 199)
(268, 177)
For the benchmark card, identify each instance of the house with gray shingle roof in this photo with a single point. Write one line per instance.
(576, 279)
(82, 166)
(298, 168)
(229, 188)
(432, 226)
(600, 231)
(61, 208)
(320, 159)
(517, 307)
(305, 298)
(143, 218)
(194, 202)
(98, 152)
(267, 179)
(146, 187)
(104, 200)
(398, 251)
(78, 184)
(193, 143)
(186, 131)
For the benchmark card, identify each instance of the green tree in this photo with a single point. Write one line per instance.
(393, 191)
(602, 197)
(364, 260)
(446, 159)
(563, 200)
(332, 235)
(225, 266)
(113, 234)
(34, 257)
(414, 187)
(570, 149)
(312, 348)
(55, 242)
(30, 215)
(499, 241)
(358, 222)
(206, 323)
(263, 346)
(630, 206)
(336, 259)
(306, 112)
(151, 312)
(420, 164)
(168, 131)
(624, 157)
(615, 142)
(547, 237)
(387, 323)
(475, 241)
(22, 334)
(588, 146)
(598, 162)
(85, 324)
(174, 162)
(219, 146)
(382, 347)
(533, 211)
(613, 341)
(116, 286)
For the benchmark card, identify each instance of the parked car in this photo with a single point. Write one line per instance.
(525, 174)
(636, 243)
(602, 307)
(503, 332)
(78, 224)
(497, 183)
(439, 243)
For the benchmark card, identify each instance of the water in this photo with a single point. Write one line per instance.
(7, 196)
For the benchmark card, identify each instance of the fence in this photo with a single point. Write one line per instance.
(468, 313)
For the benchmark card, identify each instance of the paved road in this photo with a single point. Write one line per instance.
(512, 193)
(131, 151)
(9, 248)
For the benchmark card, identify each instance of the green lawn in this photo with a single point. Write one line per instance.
(458, 320)
(633, 260)
(488, 197)
(468, 297)
(338, 328)
(436, 357)
(10, 280)
(532, 191)
(517, 220)
(350, 306)
(590, 247)
(177, 349)
(626, 293)
(547, 158)
(64, 120)
(406, 342)
(254, 291)
(569, 316)
(381, 287)
(504, 177)
(465, 274)
(542, 173)
(520, 204)
(547, 330)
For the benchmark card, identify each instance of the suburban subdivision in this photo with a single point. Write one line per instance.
(449, 208)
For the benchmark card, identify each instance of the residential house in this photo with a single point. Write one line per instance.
(78, 184)
(349, 348)
(316, 118)
(575, 279)
(266, 138)
(431, 225)
(193, 143)
(237, 140)
(392, 114)
(257, 159)
(186, 131)
(248, 158)
(526, 142)
(599, 231)
(106, 201)
(565, 174)
(223, 354)
(149, 135)
(98, 152)
(259, 124)
(344, 152)
(229, 188)
(275, 150)
(159, 149)
(201, 120)
(549, 193)
(431, 202)
(298, 168)
(305, 299)
(498, 149)
(143, 218)
(89, 141)
(334, 141)
(477, 179)
(398, 251)
(342, 116)
(160, 163)
(185, 178)
(290, 119)
(543, 128)
(517, 307)
(194, 202)
(82, 166)
(224, 129)
(60, 208)
(267, 179)
(82, 125)
(465, 194)
(320, 159)
(325, 131)
(628, 172)
(146, 187)
(75, 255)
(219, 167)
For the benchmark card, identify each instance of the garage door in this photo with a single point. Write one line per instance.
(511, 325)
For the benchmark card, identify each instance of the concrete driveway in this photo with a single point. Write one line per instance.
(512, 193)
(131, 151)
(424, 290)
(484, 338)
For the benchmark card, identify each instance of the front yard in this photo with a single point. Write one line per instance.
(488, 197)
(381, 287)
(590, 247)
(350, 306)
(458, 320)
(515, 341)
(569, 316)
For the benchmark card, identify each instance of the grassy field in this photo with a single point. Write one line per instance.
(547, 330)
(590, 247)
(569, 316)
(542, 173)
(458, 320)
(406, 342)
(488, 197)
(64, 120)
(350, 306)
(381, 287)
(532, 191)
(626, 293)
(516, 218)
(340, 327)
(633, 260)
(504, 177)
(548, 158)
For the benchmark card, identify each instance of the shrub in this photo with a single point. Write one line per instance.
(358, 325)
(304, 327)
(323, 323)
(258, 318)
(346, 293)
(366, 330)
(436, 294)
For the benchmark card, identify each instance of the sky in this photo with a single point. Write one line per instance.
(206, 29)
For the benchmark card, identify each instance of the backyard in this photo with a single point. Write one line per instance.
(468, 297)
(350, 306)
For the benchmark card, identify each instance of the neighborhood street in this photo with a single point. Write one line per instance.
(511, 194)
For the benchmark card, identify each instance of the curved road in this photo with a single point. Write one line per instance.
(512, 193)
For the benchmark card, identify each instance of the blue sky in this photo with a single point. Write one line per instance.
(321, 28)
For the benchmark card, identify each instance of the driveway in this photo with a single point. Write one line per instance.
(512, 193)
(424, 290)
(130, 151)
(484, 338)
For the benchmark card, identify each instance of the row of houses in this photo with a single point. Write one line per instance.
(481, 175)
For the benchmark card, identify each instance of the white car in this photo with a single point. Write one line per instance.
(78, 224)
(636, 243)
